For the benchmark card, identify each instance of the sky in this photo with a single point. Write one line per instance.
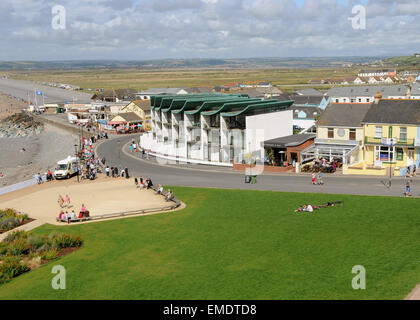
(158, 29)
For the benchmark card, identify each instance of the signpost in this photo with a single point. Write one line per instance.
(389, 142)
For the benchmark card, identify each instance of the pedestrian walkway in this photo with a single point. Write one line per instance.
(17, 186)
(26, 227)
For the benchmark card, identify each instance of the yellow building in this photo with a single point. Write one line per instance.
(142, 109)
(340, 134)
(391, 138)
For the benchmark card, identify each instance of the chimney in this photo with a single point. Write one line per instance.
(378, 96)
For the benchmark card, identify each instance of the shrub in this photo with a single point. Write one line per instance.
(12, 267)
(49, 255)
(18, 247)
(66, 241)
(3, 249)
(4, 278)
(35, 242)
(45, 247)
(16, 235)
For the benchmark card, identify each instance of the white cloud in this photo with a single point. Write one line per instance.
(144, 29)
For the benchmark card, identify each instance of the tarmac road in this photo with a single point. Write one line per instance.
(206, 176)
(26, 91)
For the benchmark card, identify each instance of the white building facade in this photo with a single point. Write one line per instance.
(214, 129)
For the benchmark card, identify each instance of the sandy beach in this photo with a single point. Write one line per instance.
(42, 153)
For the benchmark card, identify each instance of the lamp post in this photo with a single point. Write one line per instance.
(77, 159)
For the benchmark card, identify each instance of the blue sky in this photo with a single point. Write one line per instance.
(154, 29)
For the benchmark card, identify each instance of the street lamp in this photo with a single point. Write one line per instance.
(77, 159)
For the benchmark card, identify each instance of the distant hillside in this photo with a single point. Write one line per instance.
(410, 61)
(327, 62)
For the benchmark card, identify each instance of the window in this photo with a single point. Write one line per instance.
(385, 154)
(378, 132)
(403, 134)
(400, 154)
(330, 133)
(352, 134)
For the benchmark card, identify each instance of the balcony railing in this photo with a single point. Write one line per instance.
(193, 125)
(386, 141)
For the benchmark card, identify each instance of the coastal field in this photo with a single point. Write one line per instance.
(230, 244)
(162, 78)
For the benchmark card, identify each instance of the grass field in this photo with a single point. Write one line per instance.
(230, 244)
(144, 79)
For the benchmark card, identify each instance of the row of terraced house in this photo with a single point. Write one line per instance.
(369, 138)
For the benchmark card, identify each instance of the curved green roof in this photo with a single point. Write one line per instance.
(235, 105)
(209, 105)
(157, 102)
(264, 105)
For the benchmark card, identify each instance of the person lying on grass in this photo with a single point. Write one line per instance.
(310, 208)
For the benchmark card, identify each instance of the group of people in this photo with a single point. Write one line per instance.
(169, 195)
(143, 183)
(65, 216)
(318, 179)
(115, 173)
(323, 165)
(134, 147)
(411, 172)
(311, 208)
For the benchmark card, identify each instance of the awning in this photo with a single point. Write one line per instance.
(116, 122)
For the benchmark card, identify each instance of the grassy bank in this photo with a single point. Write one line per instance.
(230, 244)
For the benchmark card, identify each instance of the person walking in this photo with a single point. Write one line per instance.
(408, 188)
(321, 179)
(313, 178)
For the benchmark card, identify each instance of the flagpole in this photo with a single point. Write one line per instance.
(36, 100)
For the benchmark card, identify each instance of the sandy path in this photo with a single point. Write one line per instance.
(103, 196)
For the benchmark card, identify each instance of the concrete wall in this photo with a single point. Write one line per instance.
(267, 126)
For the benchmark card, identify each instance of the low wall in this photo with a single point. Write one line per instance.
(68, 127)
(270, 169)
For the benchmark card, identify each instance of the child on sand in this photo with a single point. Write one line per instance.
(67, 200)
(60, 201)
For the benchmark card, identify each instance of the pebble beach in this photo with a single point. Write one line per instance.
(33, 151)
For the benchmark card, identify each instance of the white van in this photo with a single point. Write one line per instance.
(65, 168)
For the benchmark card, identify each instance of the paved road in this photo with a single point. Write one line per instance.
(201, 176)
(26, 90)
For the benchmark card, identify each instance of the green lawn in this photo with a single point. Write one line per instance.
(231, 244)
